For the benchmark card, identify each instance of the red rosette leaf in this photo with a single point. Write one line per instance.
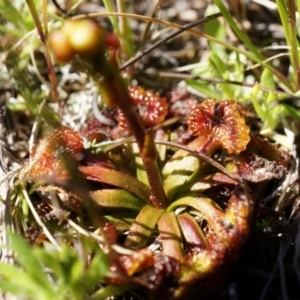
(222, 122)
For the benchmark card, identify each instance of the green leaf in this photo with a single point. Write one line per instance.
(283, 13)
(170, 234)
(26, 284)
(50, 260)
(218, 64)
(203, 204)
(221, 70)
(215, 28)
(12, 14)
(143, 226)
(258, 109)
(118, 199)
(118, 179)
(29, 262)
(113, 19)
(77, 271)
(239, 69)
(267, 81)
(120, 220)
(11, 31)
(97, 270)
(49, 117)
(293, 112)
(177, 171)
(207, 207)
(110, 290)
(12, 287)
(274, 116)
(141, 173)
(16, 107)
(204, 89)
(30, 103)
(192, 232)
(69, 271)
(240, 34)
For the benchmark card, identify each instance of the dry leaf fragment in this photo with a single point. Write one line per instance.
(140, 260)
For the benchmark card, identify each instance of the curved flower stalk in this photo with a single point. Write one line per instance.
(85, 41)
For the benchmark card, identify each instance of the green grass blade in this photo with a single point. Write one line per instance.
(111, 290)
(283, 13)
(204, 89)
(12, 14)
(222, 72)
(113, 19)
(240, 34)
(29, 262)
(97, 270)
(19, 282)
(294, 113)
(126, 36)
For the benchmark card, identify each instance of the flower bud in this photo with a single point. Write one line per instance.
(60, 47)
(112, 41)
(85, 36)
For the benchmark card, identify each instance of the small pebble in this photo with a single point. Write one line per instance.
(188, 15)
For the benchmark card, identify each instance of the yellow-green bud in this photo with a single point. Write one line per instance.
(85, 36)
(60, 47)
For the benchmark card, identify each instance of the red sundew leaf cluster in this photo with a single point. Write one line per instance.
(151, 107)
(223, 122)
(48, 157)
(95, 130)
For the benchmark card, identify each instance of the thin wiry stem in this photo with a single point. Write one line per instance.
(228, 46)
(219, 80)
(153, 15)
(141, 54)
(100, 239)
(5, 208)
(201, 156)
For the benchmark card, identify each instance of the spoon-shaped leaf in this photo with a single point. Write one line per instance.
(177, 171)
(143, 226)
(170, 235)
(121, 221)
(191, 231)
(117, 198)
(208, 208)
(116, 178)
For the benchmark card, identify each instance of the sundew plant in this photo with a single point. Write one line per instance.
(146, 154)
